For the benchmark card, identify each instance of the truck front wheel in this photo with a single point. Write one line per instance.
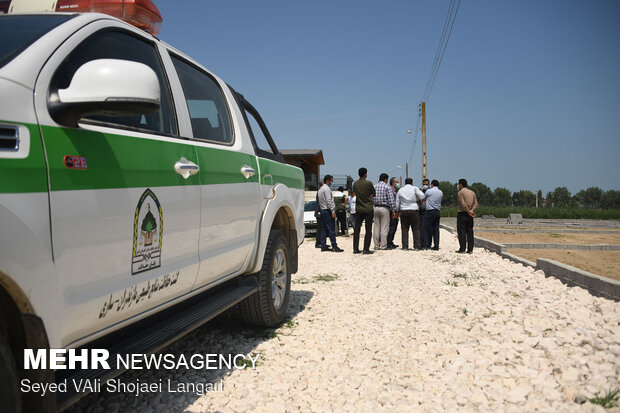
(269, 305)
(10, 400)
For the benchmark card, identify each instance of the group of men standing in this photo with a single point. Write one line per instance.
(383, 205)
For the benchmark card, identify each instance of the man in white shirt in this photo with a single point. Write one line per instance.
(407, 204)
(328, 214)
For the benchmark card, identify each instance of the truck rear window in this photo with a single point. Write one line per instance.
(19, 31)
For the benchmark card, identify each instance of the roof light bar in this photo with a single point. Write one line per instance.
(140, 13)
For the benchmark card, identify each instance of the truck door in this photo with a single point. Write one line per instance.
(229, 187)
(124, 220)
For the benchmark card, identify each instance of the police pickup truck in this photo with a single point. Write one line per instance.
(135, 203)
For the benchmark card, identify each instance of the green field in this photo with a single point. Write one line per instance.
(540, 213)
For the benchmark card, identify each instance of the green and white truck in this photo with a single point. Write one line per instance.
(135, 203)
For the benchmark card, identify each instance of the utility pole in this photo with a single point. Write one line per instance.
(407, 170)
(424, 140)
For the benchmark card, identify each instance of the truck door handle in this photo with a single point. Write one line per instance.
(247, 171)
(186, 168)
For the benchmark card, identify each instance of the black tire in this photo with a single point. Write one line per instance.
(10, 399)
(268, 307)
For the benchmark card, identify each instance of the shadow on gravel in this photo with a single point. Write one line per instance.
(224, 335)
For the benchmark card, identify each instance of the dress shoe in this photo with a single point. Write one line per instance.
(357, 252)
(391, 247)
(368, 252)
(435, 248)
(470, 252)
(326, 248)
(337, 249)
(459, 252)
(317, 245)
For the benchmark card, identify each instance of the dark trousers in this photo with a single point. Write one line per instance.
(319, 229)
(367, 218)
(392, 231)
(465, 231)
(341, 216)
(410, 219)
(430, 227)
(422, 234)
(328, 228)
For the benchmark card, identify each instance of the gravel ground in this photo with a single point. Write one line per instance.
(406, 331)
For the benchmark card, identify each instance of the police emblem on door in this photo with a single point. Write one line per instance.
(148, 234)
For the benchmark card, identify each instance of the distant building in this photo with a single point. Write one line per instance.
(309, 160)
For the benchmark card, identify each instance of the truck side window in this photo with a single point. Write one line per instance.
(205, 102)
(123, 46)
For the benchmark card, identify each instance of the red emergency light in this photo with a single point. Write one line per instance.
(4, 6)
(140, 13)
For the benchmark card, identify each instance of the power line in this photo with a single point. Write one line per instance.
(444, 30)
(441, 48)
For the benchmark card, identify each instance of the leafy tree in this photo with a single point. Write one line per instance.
(539, 197)
(483, 193)
(560, 197)
(611, 199)
(501, 197)
(524, 198)
(450, 193)
(590, 198)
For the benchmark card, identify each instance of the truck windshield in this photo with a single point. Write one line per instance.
(19, 31)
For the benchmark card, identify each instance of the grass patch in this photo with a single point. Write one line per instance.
(464, 311)
(452, 283)
(301, 281)
(609, 400)
(248, 363)
(446, 260)
(461, 275)
(325, 277)
(290, 324)
(317, 278)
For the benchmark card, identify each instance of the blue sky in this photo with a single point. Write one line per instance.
(527, 95)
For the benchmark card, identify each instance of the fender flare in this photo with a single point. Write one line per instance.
(278, 214)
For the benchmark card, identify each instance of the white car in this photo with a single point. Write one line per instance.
(135, 203)
(309, 218)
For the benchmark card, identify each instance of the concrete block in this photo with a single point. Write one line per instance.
(518, 260)
(515, 219)
(603, 286)
(580, 278)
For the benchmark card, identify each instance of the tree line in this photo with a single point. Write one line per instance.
(592, 198)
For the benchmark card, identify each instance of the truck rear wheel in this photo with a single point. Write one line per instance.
(269, 305)
(10, 400)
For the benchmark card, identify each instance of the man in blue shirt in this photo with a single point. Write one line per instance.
(430, 222)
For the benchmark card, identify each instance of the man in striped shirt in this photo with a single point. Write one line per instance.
(385, 207)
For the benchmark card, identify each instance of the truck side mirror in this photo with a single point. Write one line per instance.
(108, 87)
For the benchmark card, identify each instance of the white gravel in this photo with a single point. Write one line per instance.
(407, 331)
